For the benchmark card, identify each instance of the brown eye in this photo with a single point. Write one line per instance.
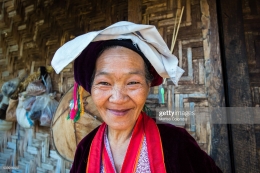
(133, 83)
(104, 83)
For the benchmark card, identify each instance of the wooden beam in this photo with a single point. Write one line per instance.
(237, 84)
(135, 11)
(213, 73)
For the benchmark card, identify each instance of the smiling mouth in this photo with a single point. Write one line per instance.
(121, 112)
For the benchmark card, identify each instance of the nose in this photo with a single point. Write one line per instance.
(118, 95)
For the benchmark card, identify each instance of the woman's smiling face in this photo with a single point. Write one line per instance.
(119, 88)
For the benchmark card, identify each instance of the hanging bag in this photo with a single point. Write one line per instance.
(48, 111)
(36, 110)
(35, 88)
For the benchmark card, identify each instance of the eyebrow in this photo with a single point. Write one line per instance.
(100, 73)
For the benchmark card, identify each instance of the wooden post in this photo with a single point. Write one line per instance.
(135, 11)
(219, 151)
(237, 92)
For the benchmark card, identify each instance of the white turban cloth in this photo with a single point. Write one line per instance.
(146, 37)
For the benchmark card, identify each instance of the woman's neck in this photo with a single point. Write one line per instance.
(118, 137)
(119, 141)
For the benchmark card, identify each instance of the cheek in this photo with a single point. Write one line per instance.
(139, 96)
(99, 96)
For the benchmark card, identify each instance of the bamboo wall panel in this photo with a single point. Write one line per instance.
(30, 151)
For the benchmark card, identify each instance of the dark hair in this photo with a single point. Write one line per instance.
(148, 76)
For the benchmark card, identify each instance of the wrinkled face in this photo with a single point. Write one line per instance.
(119, 89)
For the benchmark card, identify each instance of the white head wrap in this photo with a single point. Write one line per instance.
(146, 37)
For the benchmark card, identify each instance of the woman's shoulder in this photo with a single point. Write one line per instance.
(82, 151)
(182, 152)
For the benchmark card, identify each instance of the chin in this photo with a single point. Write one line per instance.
(117, 124)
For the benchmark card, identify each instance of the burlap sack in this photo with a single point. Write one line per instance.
(11, 110)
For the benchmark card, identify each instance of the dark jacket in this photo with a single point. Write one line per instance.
(181, 152)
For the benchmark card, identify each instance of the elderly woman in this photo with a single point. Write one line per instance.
(118, 65)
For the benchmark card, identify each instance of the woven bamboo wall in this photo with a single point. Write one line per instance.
(31, 32)
(30, 151)
(251, 14)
